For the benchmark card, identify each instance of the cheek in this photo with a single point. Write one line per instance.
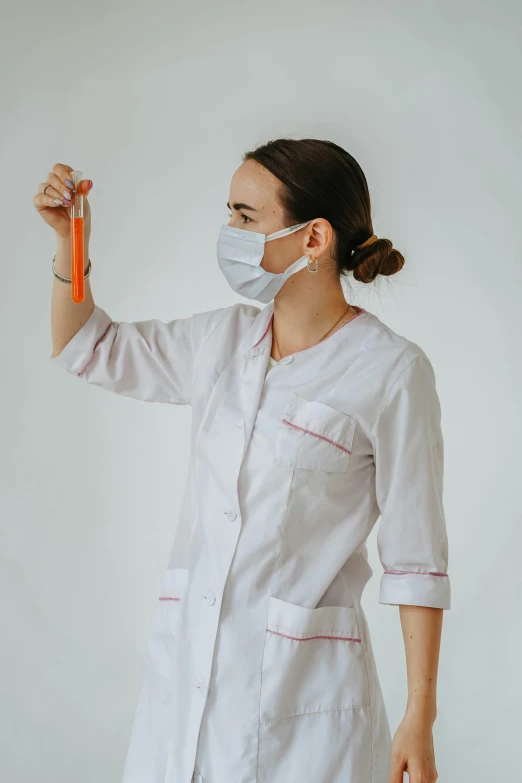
(276, 259)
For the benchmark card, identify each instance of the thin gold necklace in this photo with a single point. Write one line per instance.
(318, 341)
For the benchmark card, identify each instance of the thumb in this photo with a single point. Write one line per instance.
(396, 775)
(85, 186)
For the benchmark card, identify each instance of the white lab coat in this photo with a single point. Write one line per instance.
(259, 665)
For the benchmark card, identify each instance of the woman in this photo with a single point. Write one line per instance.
(311, 418)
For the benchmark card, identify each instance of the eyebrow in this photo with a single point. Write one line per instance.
(238, 205)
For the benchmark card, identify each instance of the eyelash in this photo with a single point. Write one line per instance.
(249, 219)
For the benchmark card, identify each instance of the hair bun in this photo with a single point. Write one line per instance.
(376, 257)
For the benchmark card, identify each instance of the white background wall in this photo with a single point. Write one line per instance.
(155, 102)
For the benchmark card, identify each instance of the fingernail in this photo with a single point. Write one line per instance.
(67, 195)
(56, 201)
(69, 184)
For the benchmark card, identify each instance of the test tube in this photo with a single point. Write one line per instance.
(77, 261)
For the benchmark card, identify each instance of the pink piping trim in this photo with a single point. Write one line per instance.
(168, 598)
(93, 350)
(416, 573)
(307, 638)
(285, 421)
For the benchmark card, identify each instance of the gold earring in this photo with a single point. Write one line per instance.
(309, 267)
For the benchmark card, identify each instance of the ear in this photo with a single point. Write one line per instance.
(318, 236)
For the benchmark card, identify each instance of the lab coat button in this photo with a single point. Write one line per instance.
(231, 515)
(211, 598)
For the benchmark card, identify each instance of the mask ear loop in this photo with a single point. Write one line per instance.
(285, 231)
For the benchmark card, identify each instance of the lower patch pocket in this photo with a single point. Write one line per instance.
(313, 661)
(166, 618)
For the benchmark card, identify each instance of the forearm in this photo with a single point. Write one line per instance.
(67, 316)
(421, 628)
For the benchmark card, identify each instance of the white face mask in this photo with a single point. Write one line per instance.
(239, 255)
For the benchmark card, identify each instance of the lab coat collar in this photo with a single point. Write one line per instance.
(254, 364)
(256, 341)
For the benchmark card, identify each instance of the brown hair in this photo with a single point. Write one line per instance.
(320, 179)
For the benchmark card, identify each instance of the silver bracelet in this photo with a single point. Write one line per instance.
(66, 279)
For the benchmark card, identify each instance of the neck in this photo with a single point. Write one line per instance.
(305, 309)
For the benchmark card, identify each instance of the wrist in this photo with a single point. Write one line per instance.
(62, 259)
(63, 240)
(65, 277)
(422, 708)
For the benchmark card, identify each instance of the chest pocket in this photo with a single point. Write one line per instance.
(315, 436)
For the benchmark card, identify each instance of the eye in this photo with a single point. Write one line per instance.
(247, 219)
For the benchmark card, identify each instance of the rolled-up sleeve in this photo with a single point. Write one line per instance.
(409, 463)
(149, 360)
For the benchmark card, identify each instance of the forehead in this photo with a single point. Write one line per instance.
(252, 184)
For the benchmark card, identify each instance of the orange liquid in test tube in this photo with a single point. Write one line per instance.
(77, 254)
(77, 263)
